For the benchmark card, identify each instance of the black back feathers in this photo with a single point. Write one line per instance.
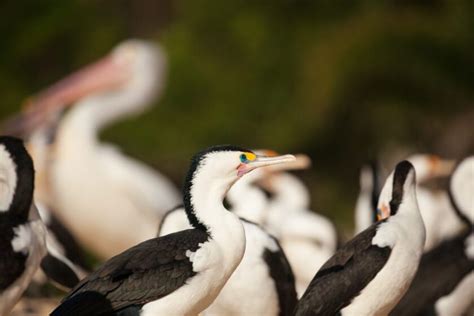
(344, 275)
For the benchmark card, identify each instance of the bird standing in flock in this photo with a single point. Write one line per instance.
(244, 240)
(180, 273)
(371, 272)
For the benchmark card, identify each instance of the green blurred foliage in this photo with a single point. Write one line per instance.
(343, 81)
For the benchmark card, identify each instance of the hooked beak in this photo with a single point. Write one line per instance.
(263, 161)
(105, 74)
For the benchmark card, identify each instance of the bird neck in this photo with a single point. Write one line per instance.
(204, 192)
(94, 113)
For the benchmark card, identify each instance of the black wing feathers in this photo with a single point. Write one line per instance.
(12, 264)
(281, 273)
(344, 275)
(146, 272)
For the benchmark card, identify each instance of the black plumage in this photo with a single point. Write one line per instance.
(72, 250)
(399, 176)
(12, 264)
(376, 188)
(59, 272)
(439, 272)
(144, 273)
(25, 173)
(281, 273)
(344, 275)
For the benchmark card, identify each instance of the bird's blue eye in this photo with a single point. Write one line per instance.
(243, 158)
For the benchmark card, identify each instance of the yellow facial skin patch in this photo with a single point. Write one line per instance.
(250, 156)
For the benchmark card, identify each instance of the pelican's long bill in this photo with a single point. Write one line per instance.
(107, 73)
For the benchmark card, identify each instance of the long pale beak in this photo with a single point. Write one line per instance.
(301, 161)
(105, 74)
(263, 161)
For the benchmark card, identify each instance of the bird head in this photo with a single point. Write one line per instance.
(398, 190)
(16, 177)
(132, 74)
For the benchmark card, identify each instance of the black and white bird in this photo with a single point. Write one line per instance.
(22, 233)
(452, 261)
(180, 273)
(65, 262)
(370, 273)
(366, 205)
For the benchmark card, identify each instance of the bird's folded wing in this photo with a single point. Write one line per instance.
(344, 275)
(146, 272)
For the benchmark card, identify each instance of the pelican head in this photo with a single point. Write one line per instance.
(121, 83)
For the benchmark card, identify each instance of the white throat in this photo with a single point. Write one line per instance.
(207, 195)
(8, 179)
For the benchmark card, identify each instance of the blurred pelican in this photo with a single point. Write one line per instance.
(109, 201)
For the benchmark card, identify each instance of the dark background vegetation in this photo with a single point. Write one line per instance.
(343, 81)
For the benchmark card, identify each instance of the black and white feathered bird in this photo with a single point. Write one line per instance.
(262, 284)
(180, 273)
(65, 262)
(22, 233)
(370, 273)
(444, 282)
